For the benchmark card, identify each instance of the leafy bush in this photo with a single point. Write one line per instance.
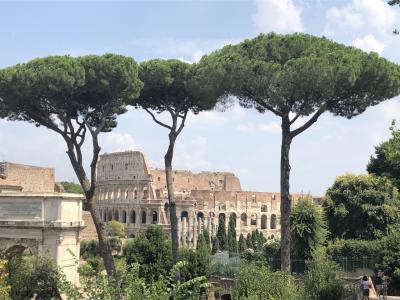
(389, 259)
(31, 275)
(89, 248)
(116, 228)
(322, 279)
(354, 248)
(258, 282)
(115, 243)
(4, 286)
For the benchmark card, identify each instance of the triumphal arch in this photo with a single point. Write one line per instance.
(35, 214)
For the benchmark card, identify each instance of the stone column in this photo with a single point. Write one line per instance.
(194, 232)
(184, 231)
(190, 230)
(180, 231)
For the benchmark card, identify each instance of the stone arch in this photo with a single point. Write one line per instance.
(133, 217)
(200, 215)
(222, 215)
(184, 214)
(154, 217)
(264, 222)
(16, 250)
(105, 215)
(273, 221)
(124, 216)
(116, 215)
(253, 220)
(145, 193)
(243, 219)
(143, 217)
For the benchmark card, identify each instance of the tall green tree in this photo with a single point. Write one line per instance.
(361, 207)
(232, 242)
(249, 241)
(169, 87)
(203, 256)
(308, 227)
(76, 98)
(221, 234)
(214, 245)
(152, 251)
(242, 243)
(386, 160)
(298, 77)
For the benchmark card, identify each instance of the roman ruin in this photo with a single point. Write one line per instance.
(130, 191)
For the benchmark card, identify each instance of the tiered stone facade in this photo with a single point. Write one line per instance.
(130, 191)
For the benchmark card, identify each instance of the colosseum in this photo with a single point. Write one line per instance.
(132, 192)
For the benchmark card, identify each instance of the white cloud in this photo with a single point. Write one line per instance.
(251, 127)
(373, 15)
(115, 141)
(368, 43)
(281, 16)
(391, 109)
(192, 155)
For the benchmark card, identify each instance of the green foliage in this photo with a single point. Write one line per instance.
(386, 161)
(152, 251)
(29, 275)
(116, 228)
(203, 257)
(242, 243)
(206, 235)
(389, 258)
(221, 234)
(214, 245)
(170, 84)
(89, 248)
(361, 207)
(249, 241)
(272, 249)
(4, 286)
(68, 87)
(308, 228)
(71, 187)
(322, 279)
(131, 286)
(232, 242)
(258, 282)
(115, 243)
(354, 248)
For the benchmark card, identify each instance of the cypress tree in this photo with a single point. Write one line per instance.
(214, 245)
(203, 258)
(249, 243)
(232, 243)
(206, 235)
(221, 234)
(254, 239)
(242, 243)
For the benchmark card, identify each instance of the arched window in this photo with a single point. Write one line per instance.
(143, 217)
(126, 166)
(105, 216)
(253, 220)
(263, 222)
(243, 219)
(133, 217)
(233, 216)
(264, 208)
(112, 167)
(135, 194)
(116, 215)
(273, 222)
(110, 215)
(154, 216)
(123, 216)
(145, 193)
(184, 214)
(200, 215)
(222, 215)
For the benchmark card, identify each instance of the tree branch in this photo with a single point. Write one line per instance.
(311, 121)
(157, 121)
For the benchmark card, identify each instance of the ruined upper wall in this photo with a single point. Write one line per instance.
(186, 181)
(127, 165)
(26, 178)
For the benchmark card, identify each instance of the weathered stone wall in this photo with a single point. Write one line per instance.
(131, 192)
(27, 178)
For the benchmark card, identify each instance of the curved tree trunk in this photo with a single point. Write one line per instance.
(172, 206)
(285, 196)
(104, 246)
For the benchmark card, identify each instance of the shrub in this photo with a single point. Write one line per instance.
(257, 282)
(89, 248)
(322, 279)
(115, 243)
(116, 228)
(354, 248)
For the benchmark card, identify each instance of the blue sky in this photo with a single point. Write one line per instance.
(238, 140)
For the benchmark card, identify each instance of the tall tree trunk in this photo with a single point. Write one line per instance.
(104, 246)
(285, 195)
(171, 202)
